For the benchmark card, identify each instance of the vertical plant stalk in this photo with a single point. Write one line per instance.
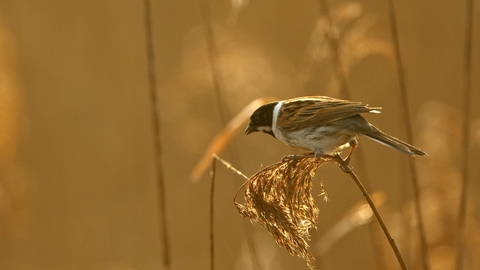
(465, 141)
(212, 52)
(345, 93)
(346, 168)
(156, 133)
(215, 71)
(334, 46)
(409, 134)
(212, 219)
(212, 57)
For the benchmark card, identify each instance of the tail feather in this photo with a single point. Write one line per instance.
(385, 139)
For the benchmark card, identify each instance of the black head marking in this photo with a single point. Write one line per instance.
(261, 119)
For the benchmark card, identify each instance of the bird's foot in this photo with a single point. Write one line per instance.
(343, 163)
(353, 144)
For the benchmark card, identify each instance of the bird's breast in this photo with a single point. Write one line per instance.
(325, 139)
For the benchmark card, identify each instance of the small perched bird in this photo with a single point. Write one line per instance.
(322, 124)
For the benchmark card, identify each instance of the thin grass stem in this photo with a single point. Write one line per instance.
(334, 46)
(212, 222)
(408, 127)
(212, 52)
(462, 211)
(212, 57)
(215, 71)
(156, 133)
(346, 168)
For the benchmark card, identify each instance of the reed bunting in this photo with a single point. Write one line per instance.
(322, 124)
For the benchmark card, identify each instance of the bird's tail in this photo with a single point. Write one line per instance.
(385, 139)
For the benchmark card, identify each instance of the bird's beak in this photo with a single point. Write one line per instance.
(249, 130)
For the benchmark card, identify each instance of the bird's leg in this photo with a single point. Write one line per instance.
(345, 162)
(353, 144)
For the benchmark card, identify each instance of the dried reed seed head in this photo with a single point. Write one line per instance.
(279, 198)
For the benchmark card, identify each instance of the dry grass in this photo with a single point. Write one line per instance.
(152, 84)
(467, 96)
(343, 35)
(406, 114)
(279, 197)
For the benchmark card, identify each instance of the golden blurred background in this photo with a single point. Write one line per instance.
(78, 183)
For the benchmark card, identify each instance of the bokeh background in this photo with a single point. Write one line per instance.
(78, 183)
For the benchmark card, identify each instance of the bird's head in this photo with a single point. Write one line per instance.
(261, 119)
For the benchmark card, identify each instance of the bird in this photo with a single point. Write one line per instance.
(322, 124)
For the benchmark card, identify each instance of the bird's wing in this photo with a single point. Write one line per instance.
(304, 112)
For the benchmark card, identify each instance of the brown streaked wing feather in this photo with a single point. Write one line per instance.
(303, 112)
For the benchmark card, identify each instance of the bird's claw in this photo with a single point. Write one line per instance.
(345, 168)
(344, 164)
